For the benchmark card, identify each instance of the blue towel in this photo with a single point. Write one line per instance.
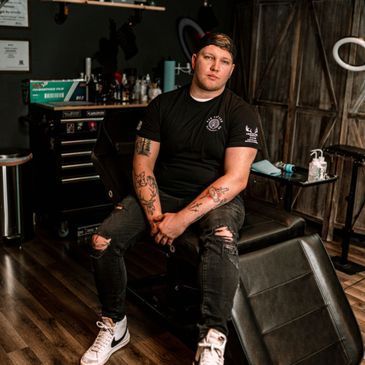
(265, 167)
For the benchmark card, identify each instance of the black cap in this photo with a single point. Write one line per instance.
(220, 40)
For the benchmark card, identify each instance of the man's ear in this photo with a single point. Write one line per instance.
(193, 61)
(233, 66)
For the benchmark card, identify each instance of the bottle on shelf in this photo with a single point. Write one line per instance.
(118, 91)
(131, 77)
(125, 89)
(154, 90)
(87, 77)
(99, 88)
(143, 95)
(136, 93)
(87, 68)
(317, 167)
(117, 87)
(91, 89)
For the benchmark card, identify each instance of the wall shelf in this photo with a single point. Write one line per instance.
(111, 4)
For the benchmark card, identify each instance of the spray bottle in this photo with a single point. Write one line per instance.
(317, 167)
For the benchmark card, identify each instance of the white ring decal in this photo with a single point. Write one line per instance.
(341, 42)
(183, 25)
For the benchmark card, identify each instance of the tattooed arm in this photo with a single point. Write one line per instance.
(237, 166)
(145, 155)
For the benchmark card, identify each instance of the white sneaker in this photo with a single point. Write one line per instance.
(111, 337)
(211, 349)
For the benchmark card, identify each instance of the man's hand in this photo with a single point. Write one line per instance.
(154, 224)
(169, 227)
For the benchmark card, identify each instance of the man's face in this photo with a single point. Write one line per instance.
(212, 66)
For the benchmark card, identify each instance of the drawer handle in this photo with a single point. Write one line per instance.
(80, 153)
(80, 179)
(78, 141)
(82, 120)
(76, 165)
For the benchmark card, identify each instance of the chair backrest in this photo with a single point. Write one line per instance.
(291, 308)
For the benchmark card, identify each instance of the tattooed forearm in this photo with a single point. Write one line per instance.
(194, 206)
(149, 204)
(217, 194)
(146, 185)
(143, 146)
(140, 180)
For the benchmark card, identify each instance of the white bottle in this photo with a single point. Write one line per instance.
(317, 167)
(125, 89)
(323, 169)
(148, 80)
(153, 91)
(137, 90)
(144, 96)
(313, 168)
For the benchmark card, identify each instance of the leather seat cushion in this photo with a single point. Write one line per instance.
(266, 225)
(291, 309)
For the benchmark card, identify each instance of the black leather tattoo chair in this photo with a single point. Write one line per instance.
(290, 307)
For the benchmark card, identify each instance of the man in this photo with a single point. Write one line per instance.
(193, 153)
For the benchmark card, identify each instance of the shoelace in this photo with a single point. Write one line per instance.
(104, 337)
(214, 355)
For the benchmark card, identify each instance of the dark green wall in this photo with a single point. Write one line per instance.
(58, 51)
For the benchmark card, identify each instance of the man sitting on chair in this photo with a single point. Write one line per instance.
(193, 153)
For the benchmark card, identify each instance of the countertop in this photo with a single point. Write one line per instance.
(84, 105)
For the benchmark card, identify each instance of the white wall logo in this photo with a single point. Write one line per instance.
(214, 123)
(251, 136)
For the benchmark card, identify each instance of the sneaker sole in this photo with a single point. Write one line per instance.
(116, 348)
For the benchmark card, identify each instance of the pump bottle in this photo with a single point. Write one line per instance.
(317, 167)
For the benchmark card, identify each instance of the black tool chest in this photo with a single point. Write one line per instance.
(68, 191)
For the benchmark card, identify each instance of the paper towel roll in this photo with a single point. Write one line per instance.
(87, 68)
(168, 75)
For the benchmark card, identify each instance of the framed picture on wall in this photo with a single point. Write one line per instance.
(14, 13)
(14, 55)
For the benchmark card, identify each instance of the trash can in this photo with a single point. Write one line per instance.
(12, 162)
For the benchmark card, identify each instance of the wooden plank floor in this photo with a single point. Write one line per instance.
(48, 309)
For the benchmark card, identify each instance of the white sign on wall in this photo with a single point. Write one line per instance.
(14, 55)
(14, 13)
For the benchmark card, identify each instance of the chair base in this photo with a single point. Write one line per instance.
(348, 267)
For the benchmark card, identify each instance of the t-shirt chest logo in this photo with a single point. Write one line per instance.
(214, 123)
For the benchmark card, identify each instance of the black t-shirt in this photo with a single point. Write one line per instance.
(193, 137)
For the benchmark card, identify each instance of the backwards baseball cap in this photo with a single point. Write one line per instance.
(220, 40)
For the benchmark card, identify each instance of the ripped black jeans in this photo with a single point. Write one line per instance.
(218, 267)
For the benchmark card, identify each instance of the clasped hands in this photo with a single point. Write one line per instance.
(166, 227)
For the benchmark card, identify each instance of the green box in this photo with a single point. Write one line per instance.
(46, 91)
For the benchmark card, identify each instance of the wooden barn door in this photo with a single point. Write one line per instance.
(352, 128)
(286, 69)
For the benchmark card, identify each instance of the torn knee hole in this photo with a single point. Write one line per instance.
(224, 232)
(96, 237)
(99, 242)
